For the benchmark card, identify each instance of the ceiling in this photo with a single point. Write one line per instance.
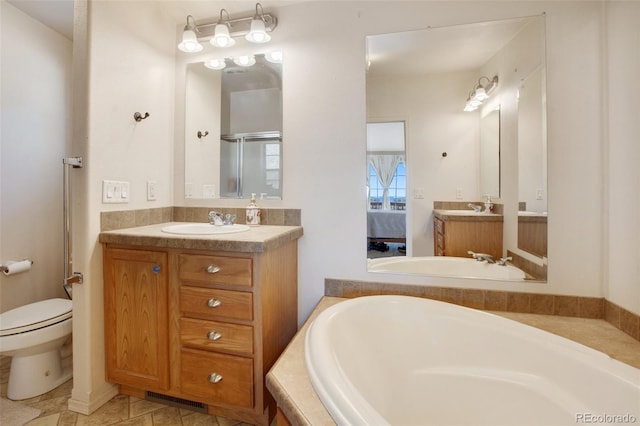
(56, 14)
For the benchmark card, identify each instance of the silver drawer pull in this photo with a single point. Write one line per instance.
(212, 269)
(215, 378)
(213, 302)
(214, 335)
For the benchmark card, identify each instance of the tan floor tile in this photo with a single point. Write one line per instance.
(68, 418)
(50, 420)
(114, 411)
(146, 420)
(167, 416)
(142, 406)
(49, 406)
(199, 419)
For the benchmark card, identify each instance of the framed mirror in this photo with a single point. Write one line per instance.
(423, 78)
(233, 128)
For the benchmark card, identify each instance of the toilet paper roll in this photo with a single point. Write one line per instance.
(17, 267)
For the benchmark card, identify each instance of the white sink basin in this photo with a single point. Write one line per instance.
(203, 229)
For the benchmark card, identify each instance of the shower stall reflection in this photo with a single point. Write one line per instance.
(251, 163)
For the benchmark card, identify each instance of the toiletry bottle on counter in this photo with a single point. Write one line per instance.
(253, 212)
(488, 205)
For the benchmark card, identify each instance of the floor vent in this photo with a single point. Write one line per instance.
(176, 402)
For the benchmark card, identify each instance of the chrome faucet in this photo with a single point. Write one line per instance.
(476, 208)
(229, 219)
(481, 257)
(215, 218)
(503, 260)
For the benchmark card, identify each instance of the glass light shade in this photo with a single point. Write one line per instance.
(190, 42)
(470, 107)
(480, 94)
(274, 57)
(215, 64)
(244, 61)
(258, 33)
(221, 37)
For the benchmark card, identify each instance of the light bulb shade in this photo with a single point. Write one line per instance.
(274, 57)
(190, 42)
(215, 64)
(470, 107)
(245, 60)
(221, 37)
(480, 94)
(258, 33)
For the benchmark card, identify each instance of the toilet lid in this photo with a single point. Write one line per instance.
(34, 315)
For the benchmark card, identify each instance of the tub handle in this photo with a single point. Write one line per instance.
(212, 269)
(214, 335)
(213, 302)
(215, 378)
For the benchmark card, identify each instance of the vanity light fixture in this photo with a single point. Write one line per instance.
(190, 43)
(221, 36)
(258, 32)
(255, 29)
(481, 93)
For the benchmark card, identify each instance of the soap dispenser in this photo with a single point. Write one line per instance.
(488, 204)
(253, 211)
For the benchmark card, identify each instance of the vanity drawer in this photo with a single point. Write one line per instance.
(215, 269)
(217, 378)
(217, 303)
(214, 335)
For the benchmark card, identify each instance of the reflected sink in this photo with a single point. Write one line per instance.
(465, 213)
(203, 229)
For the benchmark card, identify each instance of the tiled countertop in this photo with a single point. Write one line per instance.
(256, 240)
(467, 216)
(290, 386)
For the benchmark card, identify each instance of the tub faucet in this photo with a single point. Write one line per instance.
(503, 260)
(482, 257)
(215, 218)
(476, 208)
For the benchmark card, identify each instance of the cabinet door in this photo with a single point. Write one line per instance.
(136, 323)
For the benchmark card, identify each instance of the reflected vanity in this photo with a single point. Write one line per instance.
(422, 78)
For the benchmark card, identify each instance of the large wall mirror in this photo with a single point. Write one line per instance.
(424, 80)
(233, 128)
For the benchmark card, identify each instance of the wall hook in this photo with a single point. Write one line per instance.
(202, 134)
(139, 117)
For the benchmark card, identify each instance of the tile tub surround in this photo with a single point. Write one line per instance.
(289, 384)
(120, 219)
(501, 301)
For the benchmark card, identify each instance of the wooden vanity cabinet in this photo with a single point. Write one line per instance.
(226, 318)
(455, 237)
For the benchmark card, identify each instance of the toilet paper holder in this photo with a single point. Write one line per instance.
(5, 268)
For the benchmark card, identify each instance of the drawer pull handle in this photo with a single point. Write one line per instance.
(213, 302)
(212, 269)
(215, 378)
(214, 335)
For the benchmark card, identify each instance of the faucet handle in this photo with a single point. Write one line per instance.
(503, 260)
(215, 218)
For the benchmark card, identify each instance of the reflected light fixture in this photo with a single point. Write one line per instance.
(274, 57)
(481, 93)
(254, 28)
(215, 64)
(190, 43)
(258, 31)
(244, 60)
(221, 36)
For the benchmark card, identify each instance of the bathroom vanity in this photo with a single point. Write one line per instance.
(199, 320)
(455, 232)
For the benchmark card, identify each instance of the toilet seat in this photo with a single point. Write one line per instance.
(35, 315)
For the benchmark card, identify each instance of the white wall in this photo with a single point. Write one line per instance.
(622, 208)
(125, 63)
(36, 76)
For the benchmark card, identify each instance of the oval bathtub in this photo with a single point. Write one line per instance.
(445, 266)
(400, 360)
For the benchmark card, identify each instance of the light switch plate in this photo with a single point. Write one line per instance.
(152, 187)
(115, 192)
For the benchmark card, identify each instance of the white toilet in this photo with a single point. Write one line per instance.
(34, 336)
